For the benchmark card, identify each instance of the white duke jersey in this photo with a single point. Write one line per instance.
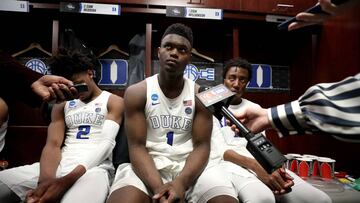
(169, 125)
(84, 122)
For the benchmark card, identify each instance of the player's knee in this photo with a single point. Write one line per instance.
(128, 194)
(264, 198)
(258, 197)
(223, 199)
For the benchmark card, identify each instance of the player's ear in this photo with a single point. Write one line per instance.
(158, 52)
(90, 73)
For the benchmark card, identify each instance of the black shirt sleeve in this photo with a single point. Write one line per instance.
(16, 80)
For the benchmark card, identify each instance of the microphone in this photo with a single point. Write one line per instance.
(217, 99)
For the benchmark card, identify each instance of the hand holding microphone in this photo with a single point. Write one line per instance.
(217, 99)
(255, 118)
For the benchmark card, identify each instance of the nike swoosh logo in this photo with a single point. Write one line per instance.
(153, 104)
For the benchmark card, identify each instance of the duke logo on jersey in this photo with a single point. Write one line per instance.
(170, 122)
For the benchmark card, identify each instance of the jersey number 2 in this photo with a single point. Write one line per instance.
(83, 131)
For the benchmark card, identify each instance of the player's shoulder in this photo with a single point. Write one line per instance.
(4, 110)
(3, 105)
(136, 89)
(250, 103)
(115, 98)
(115, 103)
(135, 96)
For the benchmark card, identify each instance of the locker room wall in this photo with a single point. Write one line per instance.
(335, 54)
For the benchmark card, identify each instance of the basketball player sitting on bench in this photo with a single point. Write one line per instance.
(169, 135)
(75, 163)
(251, 181)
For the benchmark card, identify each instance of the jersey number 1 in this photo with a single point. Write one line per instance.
(170, 138)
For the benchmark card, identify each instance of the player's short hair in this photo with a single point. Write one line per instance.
(238, 62)
(179, 29)
(71, 61)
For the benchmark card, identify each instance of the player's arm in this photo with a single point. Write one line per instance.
(174, 191)
(51, 153)
(109, 132)
(21, 90)
(136, 131)
(279, 181)
(198, 158)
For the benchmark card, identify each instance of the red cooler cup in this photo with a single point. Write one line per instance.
(292, 162)
(304, 167)
(315, 167)
(326, 167)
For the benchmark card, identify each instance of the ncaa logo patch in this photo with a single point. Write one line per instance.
(97, 110)
(154, 97)
(72, 104)
(188, 110)
(37, 65)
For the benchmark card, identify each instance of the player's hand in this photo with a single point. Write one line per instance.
(33, 196)
(306, 19)
(285, 180)
(52, 87)
(170, 192)
(279, 181)
(48, 191)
